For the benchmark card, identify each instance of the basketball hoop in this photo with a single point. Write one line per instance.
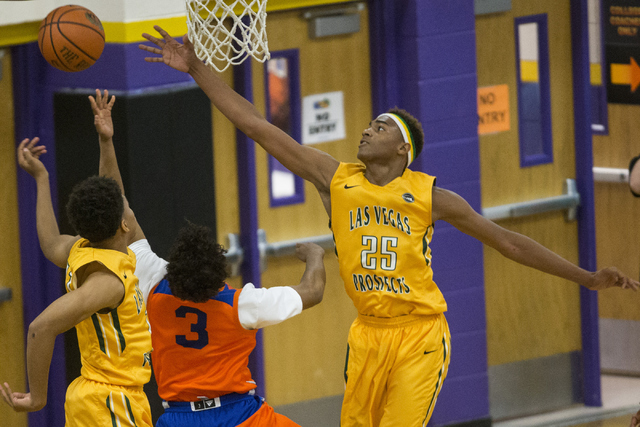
(219, 44)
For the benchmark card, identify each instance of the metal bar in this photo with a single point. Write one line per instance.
(288, 247)
(5, 295)
(611, 175)
(570, 200)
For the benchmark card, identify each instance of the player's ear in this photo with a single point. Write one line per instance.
(404, 148)
(124, 226)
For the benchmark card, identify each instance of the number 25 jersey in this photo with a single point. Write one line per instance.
(382, 237)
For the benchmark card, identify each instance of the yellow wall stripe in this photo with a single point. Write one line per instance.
(115, 32)
(529, 71)
(18, 34)
(596, 74)
(120, 32)
(274, 5)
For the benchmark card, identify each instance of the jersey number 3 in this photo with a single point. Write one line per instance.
(199, 327)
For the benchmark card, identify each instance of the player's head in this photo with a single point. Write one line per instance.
(197, 266)
(395, 134)
(96, 208)
(415, 129)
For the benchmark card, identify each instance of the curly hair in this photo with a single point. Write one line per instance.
(95, 208)
(197, 266)
(414, 127)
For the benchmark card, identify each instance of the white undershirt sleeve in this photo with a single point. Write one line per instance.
(260, 307)
(150, 268)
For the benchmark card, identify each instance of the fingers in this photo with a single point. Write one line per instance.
(20, 153)
(33, 142)
(153, 40)
(7, 395)
(163, 33)
(630, 283)
(112, 101)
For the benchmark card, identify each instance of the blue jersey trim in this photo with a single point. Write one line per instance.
(226, 295)
(163, 288)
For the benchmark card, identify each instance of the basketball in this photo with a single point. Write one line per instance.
(71, 38)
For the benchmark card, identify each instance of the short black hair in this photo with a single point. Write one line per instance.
(415, 127)
(197, 266)
(95, 208)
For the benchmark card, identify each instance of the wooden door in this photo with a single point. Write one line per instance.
(618, 242)
(12, 369)
(533, 319)
(304, 357)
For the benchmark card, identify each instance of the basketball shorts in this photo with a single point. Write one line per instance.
(89, 403)
(394, 370)
(240, 410)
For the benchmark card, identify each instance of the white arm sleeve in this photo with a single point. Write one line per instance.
(260, 307)
(150, 268)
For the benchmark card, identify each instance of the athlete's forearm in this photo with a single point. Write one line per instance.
(528, 252)
(242, 113)
(40, 344)
(109, 163)
(46, 224)
(311, 287)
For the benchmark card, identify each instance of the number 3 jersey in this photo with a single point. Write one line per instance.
(201, 348)
(382, 237)
(115, 347)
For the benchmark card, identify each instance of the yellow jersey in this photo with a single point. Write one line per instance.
(115, 347)
(382, 237)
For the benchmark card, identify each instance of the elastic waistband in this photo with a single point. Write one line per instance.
(396, 322)
(206, 404)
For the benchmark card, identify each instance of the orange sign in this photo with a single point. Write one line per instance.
(493, 109)
(626, 74)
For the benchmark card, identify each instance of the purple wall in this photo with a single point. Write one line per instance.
(425, 62)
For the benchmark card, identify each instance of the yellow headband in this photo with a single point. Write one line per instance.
(406, 134)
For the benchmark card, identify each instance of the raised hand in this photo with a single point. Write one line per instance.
(102, 106)
(28, 154)
(19, 402)
(611, 277)
(178, 56)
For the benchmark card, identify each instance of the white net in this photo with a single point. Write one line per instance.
(221, 44)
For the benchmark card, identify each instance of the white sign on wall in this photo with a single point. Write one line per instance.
(323, 118)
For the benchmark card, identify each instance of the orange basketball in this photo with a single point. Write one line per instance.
(71, 38)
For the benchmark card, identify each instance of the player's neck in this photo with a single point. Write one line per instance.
(381, 174)
(115, 243)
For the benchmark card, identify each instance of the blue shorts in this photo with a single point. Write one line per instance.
(233, 412)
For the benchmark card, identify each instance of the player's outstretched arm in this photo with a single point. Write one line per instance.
(101, 106)
(100, 290)
(54, 245)
(453, 209)
(310, 164)
(311, 287)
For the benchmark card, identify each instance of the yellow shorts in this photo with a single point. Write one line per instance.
(90, 403)
(394, 371)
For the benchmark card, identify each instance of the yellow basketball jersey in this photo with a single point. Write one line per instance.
(115, 347)
(382, 237)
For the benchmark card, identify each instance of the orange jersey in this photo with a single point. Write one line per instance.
(382, 237)
(200, 349)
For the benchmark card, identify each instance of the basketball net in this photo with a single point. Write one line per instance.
(221, 45)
